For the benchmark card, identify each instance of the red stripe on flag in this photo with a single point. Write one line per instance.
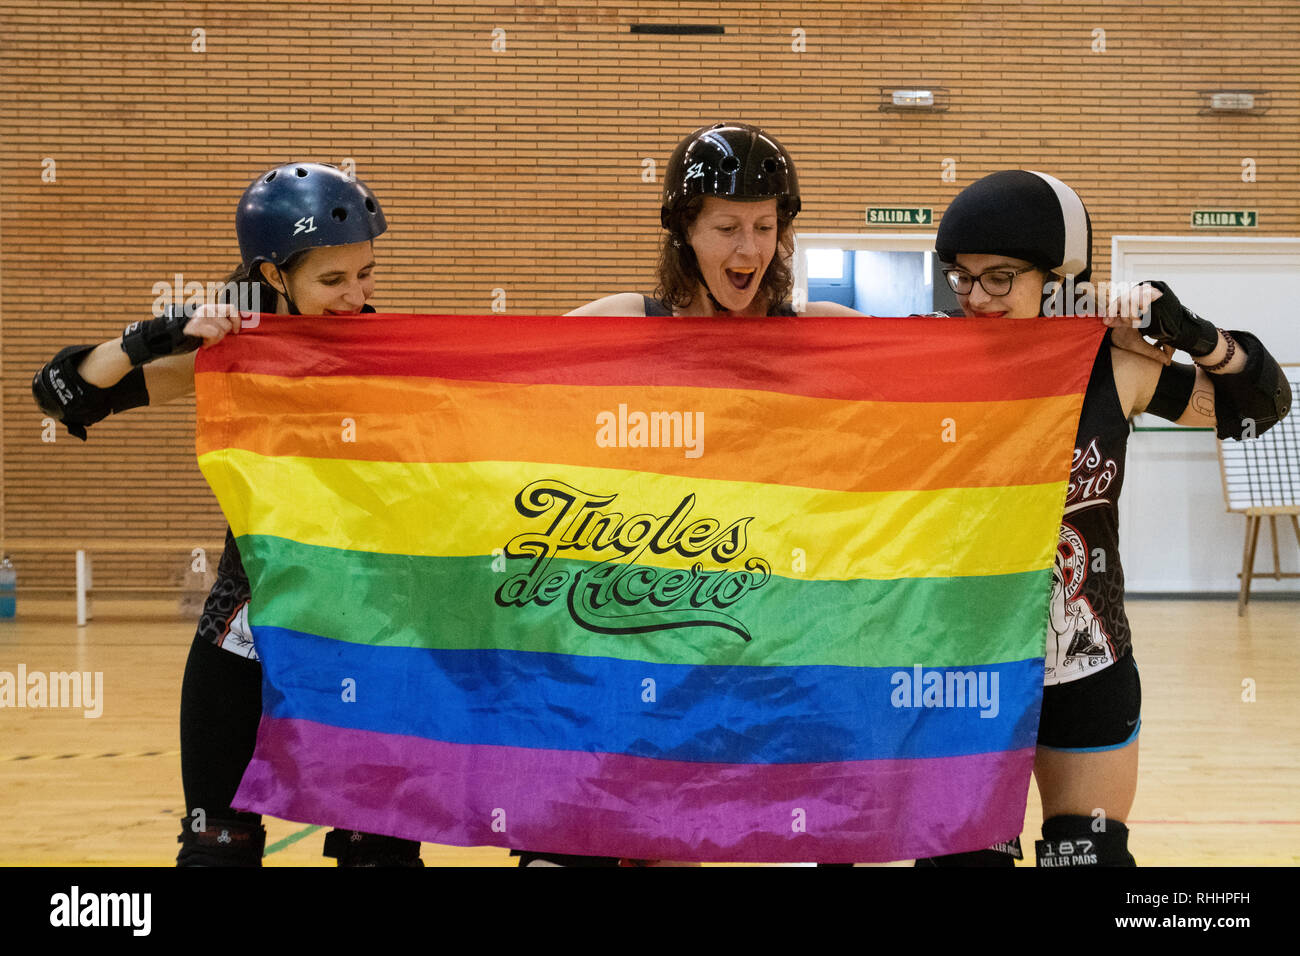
(906, 360)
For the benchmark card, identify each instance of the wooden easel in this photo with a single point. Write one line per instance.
(1261, 479)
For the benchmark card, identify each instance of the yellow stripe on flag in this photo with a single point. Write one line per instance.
(468, 509)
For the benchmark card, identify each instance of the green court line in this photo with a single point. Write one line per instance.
(290, 840)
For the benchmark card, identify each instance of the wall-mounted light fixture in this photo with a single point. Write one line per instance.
(914, 98)
(1233, 102)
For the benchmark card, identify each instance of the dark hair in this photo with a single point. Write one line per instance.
(679, 277)
(266, 293)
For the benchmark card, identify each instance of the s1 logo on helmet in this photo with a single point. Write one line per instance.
(731, 161)
(310, 225)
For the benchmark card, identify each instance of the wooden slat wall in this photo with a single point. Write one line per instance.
(521, 169)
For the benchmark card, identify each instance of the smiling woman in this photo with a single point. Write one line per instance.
(306, 234)
(1009, 239)
(730, 198)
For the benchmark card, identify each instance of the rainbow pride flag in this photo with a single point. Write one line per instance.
(711, 589)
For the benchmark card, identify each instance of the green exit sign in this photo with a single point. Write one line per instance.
(1224, 219)
(899, 216)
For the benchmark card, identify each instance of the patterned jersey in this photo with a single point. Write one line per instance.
(224, 620)
(1088, 629)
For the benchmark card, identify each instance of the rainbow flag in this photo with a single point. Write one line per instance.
(711, 589)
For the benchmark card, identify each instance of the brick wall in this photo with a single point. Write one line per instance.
(521, 168)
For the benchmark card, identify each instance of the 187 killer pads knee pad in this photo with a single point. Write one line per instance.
(1071, 841)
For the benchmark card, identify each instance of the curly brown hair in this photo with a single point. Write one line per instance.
(679, 273)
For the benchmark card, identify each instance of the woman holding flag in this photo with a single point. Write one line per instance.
(730, 198)
(306, 235)
(729, 202)
(1010, 239)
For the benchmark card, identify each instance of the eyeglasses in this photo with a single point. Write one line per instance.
(995, 281)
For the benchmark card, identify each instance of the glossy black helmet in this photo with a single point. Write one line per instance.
(1022, 214)
(301, 206)
(731, 161)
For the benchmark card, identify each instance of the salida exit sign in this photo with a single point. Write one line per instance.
(899, 216)
(1224, 219)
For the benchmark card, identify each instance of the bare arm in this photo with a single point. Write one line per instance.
(830, 308)
(1136, 378)
(620, 303)
(166, 378)
(152, 363)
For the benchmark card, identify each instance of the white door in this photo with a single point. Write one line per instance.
(1175, 535)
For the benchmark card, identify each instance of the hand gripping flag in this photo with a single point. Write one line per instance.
(710, 589)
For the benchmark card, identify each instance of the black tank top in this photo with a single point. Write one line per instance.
(1088, 629)
(655, 307)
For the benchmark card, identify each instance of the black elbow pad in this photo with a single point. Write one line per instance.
(1250, 402)
(1173, 391)
(64, 395)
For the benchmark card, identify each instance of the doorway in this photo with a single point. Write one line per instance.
(1177, 536)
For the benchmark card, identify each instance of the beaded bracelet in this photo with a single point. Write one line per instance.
(1232, 350)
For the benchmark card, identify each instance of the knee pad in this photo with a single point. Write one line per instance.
(223, 843)
(354, 848)
(1000, 854)
(1071, 841)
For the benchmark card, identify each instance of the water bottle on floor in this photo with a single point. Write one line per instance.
(8, 589)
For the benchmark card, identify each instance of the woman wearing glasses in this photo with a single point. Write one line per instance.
(1010, 240)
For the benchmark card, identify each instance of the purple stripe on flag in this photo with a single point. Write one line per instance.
(563, 801)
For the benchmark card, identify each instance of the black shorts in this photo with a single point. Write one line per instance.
(1101, 712)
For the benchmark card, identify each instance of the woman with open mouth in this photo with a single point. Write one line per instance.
(729, 202)
(730, 198)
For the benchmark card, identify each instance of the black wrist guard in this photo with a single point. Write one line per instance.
(158, 338)
(1172, 323)
(1250, 402)
(64, 395)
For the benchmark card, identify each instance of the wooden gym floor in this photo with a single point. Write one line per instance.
(1219, 781)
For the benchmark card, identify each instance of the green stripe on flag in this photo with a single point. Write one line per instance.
(451, 603)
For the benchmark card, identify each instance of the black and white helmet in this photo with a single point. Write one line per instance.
(1022, 214)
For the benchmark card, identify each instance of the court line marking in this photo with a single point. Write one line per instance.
(290, 840)
(138, 753)
(1216, 823)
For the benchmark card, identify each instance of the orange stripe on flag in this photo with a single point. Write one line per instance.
(724, 434)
